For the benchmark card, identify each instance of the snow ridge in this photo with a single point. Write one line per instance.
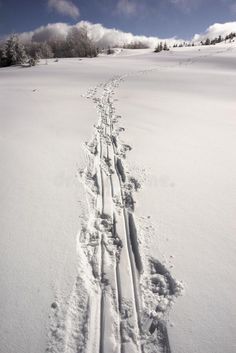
(121, 296)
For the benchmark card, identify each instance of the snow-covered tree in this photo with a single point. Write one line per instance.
(37, 51)
(165, 47)
(110, 51)
(159, 48)
(78, 44)
(136, 45)
(13, 52)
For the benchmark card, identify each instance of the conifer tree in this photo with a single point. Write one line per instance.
(165, 47)
(13, 52)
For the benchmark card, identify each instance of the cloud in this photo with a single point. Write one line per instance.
(216, 30)
(127, 7)
(49, 32)
(112, 37)
(64, 7)
(102, 36)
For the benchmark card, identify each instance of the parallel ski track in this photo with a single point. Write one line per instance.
(111, 179)
(120, 327)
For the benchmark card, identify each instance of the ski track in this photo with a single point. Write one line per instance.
(121, 297)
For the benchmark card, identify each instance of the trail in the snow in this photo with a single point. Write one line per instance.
(121, 296)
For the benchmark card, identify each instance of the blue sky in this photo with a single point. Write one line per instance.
(163, 18)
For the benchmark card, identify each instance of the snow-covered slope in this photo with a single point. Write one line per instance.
(178, 110)
(185, 128)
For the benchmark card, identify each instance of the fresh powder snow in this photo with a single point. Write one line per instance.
(117, 202)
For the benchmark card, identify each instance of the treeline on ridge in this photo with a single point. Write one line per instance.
(75, 44)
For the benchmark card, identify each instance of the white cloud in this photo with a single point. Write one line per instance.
(113, 37)
(64, 7)
(49, 32)
(127, 7)
(103, 36)
(215, 30)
